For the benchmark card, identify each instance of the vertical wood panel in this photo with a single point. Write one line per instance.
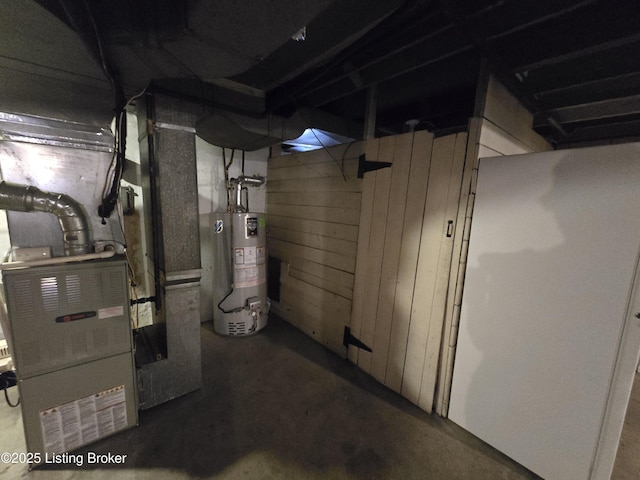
(505, 111)
(504, 127)
(401, 266)
(408, 261)
(456, 279)
(362, 252)
(426, 279)
(443, 271)
(391, 255)
(376, 249)
(403, 262)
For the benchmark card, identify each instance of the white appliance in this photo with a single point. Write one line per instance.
(244, 308)
(548, 338)
(70, 337)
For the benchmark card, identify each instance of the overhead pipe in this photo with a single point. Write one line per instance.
(108, 252)
(72, 220)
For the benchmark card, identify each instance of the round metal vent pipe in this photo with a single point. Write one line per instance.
(72, 220)
(238, 183)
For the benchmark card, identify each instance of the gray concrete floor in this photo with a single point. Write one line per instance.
(627, 466)
(279, 406)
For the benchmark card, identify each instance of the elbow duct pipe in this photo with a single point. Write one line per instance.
(238, 183)
(74, 225)
(252, 181)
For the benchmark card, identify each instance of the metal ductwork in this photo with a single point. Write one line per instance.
(246, 132)
(72, 220)
(239, 183)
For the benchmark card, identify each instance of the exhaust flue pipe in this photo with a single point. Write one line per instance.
(238, 183)
(26, 198)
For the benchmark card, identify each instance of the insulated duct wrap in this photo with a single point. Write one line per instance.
(75, 230)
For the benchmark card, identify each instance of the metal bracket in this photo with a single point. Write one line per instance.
(349, 339)
(365, 165)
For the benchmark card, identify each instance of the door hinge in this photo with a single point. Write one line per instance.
(365, 165)
(349, 339)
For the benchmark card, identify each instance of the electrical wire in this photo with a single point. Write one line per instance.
(132, 272)
(114, 173)
(233, 310)
(344, 154)
(134, 318)
(7, 380)
(116, 168)
(103, 59)
(227, 248)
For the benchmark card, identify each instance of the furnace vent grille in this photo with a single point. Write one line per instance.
(67, 315)
(24, 299)
(49, 288)
(115, 290)
(92, 287)
(74, 294)
(237, 328)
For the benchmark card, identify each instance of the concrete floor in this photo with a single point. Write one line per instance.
(279, 406)
(627, 466)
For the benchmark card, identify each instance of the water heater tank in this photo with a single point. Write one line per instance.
(242, 241)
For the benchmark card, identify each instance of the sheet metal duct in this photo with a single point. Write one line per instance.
(25, 198)
(69, 158)
(168, 158)
(244, 132)
(231, 130)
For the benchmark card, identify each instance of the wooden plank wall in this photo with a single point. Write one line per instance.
(372, 254)
(506, 126)
(502, 127)
(313, 212)
(404, 258)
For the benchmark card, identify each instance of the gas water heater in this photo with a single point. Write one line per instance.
(242, 239)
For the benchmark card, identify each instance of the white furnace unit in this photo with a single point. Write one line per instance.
(71, 341)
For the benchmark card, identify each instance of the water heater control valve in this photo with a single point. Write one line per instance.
(254, 303)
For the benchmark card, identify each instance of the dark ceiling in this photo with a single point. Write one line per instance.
(574, 64)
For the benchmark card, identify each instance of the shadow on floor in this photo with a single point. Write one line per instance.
(627, 465)
(279, 405)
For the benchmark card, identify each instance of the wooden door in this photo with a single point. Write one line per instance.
(403, 260)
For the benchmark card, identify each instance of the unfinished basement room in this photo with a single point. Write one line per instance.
(320, 240)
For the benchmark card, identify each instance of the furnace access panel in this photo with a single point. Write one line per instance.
(72, 348)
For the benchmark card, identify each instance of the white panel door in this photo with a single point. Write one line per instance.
(553, 251)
